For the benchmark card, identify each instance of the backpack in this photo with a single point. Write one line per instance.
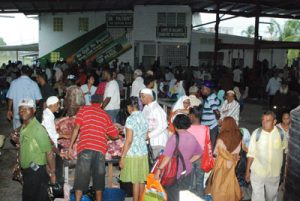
(281, 133)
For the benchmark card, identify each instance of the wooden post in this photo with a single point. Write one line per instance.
(255, 50)
(217, 35)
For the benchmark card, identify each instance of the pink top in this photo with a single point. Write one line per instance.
(199, 132)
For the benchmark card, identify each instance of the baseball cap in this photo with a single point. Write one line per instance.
(208, 84)
(27, 102)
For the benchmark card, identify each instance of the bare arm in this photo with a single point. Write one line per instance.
(164, 162)
(74, 135)
(249, 163)
(217, 113)
(127, 145)
(105, 102)
(194, 158)
(9, 110)
(51, 166)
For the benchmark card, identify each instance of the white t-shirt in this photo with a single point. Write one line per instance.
(237, 73)
(88, 93)
(137, 86)
(48, 123)
(112, 90)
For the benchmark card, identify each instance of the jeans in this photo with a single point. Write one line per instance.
(182, 184)
(113, 114)
(213, 136)
(198, 177)
(90, 164)
(35, 186)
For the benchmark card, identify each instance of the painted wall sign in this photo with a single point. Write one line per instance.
(119, 20)
(171, 32)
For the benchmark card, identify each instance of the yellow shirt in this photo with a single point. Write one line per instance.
(267, 153)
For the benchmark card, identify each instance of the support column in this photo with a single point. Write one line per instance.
(217, 34)
(256, 36)
(17, 55)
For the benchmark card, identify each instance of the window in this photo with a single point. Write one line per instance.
(161, 19)
(83, 24)
(180, 19)
(57, 24)
(54, 56)
(171, 19)
(176, 54)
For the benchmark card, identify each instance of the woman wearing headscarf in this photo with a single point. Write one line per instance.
(230, 107)
(181, 106)
(222, 183)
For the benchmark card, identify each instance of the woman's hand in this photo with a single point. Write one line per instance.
(122, 163)
(157, 174)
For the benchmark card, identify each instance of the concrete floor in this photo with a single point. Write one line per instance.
(11, 190)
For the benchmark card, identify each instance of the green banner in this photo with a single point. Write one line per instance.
(95, 45)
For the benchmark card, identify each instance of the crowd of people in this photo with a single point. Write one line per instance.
(113, 101)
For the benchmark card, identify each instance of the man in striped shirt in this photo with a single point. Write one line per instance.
(210, 114)
(94, 126)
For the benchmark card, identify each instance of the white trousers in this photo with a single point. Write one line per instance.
(264, 188)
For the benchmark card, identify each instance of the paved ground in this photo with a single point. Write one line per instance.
(11, 190)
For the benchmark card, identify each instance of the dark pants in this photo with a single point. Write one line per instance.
(198, 177)
(35, 186)
(213, 136)
(182, 184)
(59, 163)
(90, 164)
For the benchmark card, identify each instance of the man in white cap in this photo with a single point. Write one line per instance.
(48, 122)
(157, 120)
(52, 104)
(35, 154)
(195, 101)
(230, 108)
(138, 83)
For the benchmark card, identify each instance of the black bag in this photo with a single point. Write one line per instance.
(151, 157)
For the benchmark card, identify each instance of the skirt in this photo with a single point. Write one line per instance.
(135, 170)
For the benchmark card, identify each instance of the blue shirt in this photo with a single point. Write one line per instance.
(139, 126)
(211, 103)
(21, 88)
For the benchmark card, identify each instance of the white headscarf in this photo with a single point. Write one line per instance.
(179, 103)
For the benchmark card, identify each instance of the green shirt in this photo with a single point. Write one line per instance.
(34, 143)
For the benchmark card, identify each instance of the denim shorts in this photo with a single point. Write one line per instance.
(90, 164)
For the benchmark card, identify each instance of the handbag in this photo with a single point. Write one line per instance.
(208, 160)
(17, 172)
(151, 157)
(153, 191)
(169, 172)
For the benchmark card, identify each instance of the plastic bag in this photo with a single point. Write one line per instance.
(154, 191)
(208, 160)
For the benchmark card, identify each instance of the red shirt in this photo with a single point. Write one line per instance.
(95, 127)
(101, 88)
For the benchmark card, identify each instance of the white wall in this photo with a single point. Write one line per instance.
(145, 22)
(205, 42)
(50, 40)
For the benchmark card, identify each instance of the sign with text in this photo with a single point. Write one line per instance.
(171, 32)
(119, 20)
